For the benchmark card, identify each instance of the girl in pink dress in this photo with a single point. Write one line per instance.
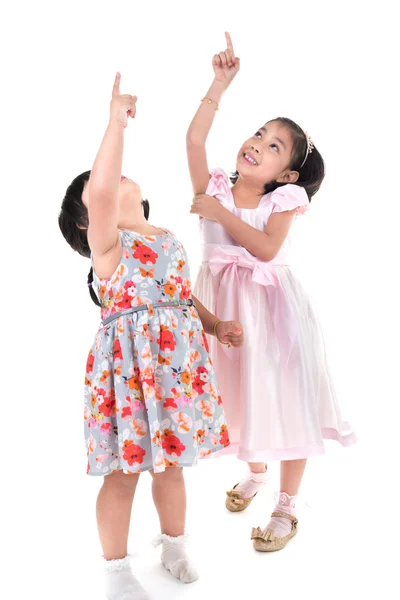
(279, 399)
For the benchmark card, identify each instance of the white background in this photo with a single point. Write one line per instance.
(329, 66)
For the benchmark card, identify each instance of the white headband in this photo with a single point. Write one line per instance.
(310, 148)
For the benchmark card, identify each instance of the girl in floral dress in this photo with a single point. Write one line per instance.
(151, 397)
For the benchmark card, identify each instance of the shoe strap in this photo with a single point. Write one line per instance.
(284, 515)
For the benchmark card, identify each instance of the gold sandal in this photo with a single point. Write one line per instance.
(266, 541)
(234, 501)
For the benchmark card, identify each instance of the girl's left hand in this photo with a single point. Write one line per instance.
(206, 206)
(230, 333)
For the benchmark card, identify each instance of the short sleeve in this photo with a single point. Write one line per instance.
(218, 184)
(289, 197)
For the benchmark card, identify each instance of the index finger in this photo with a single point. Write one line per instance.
(116, 84)
(229, 43)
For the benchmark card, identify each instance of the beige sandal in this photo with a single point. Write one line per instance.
(235, 502)
(266, 541)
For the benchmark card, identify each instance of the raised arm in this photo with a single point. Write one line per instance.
(106, 175)
(265, 245)
(225, 66)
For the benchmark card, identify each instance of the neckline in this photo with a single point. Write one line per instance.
(147, 235)
(244, 207)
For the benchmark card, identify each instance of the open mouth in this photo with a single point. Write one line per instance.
(249, 159)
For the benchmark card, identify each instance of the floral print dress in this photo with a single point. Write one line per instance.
(151, 397)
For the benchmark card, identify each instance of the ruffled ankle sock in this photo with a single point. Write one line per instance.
(120, 584)
(279, 525)
(252, 483)
(175, 558)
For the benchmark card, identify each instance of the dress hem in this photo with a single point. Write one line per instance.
(270, 454)
(98, 473)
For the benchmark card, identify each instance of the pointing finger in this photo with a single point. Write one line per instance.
(117, 81)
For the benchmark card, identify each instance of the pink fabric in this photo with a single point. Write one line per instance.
(278, 395)
(230, 260)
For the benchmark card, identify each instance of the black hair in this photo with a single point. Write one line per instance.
(73, 222)
(311, 173)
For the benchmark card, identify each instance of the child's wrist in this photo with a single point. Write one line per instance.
(219, 84)
(217, 89)
(215, 326)
(115, 126)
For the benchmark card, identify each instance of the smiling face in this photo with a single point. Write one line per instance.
(267, 155)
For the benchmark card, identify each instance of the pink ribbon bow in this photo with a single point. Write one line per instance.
(226, 303)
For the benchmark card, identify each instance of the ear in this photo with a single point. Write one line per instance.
(288, 177)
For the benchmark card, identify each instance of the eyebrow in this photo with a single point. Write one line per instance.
(275, 138)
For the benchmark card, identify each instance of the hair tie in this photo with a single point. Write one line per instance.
(90, 284)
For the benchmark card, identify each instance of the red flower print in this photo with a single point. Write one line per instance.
(90, 363)
(201, 369)
(145, 255)
(106, 407)
(224, 439)
(166, 339)
(126, 412)
(197, 385)
(133, 454)
(219, 400)
(106, 428)
(125, 302)
(185, 293)
(129, 288)
(117, 350)
(170, 404)
(173, 446)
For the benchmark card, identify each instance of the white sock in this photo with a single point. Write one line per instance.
(252, 483)
(120, 583)
(175, 558)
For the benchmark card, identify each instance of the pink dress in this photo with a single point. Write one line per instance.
(279, 400)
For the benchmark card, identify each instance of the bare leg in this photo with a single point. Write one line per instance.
(292, 472)
(169, 497)
(283, 524)
(257, 467)
(113, 510)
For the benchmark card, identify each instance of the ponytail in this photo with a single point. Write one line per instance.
(73, 223)
(92, 293)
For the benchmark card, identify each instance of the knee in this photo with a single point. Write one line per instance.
(170, 475)
(120, 482)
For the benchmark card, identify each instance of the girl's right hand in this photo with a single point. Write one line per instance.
(225, 64)
(122, 106)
